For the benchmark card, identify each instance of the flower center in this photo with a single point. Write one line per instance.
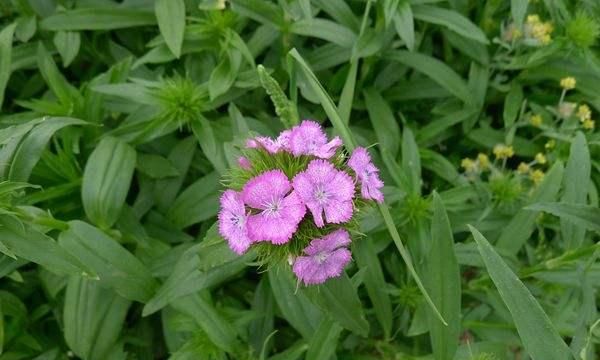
(321, 257)
(273, 207)
(321, 195)
(237, 220)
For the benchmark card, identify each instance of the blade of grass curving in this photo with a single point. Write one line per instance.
(6, 39)
(345, 104)
(540, 338)
(443, 280)
(350, 143)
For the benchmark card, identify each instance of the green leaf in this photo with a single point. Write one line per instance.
(411, 162)
(26, 28)
(521, 226)
(518, 10)
(340, 11)
(261, 328)
(284, 108)
(338, 298)
(512, 104)
(106, 180)
(105, 18)
(405, 24)
(326, 30)
(33, 145)
(27, 243)
(450, 19)
(443, 283)
(66, 93)
(170, 15)
(155, 166)
(324, 341)
(585, 216)
(576, 185)
(6, 39)
(261, 11)
(212, 148)
(93, 317)
(347, 96)
(224, 74)
(539, 337)
(384, 123)
(218, 330)
(437, 71)
(115, 266)
(199, 267)
(196, 203)
(374, 280)
(67, 43)
(295, 306)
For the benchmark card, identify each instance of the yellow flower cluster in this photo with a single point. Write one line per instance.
(502, 151)
(540, 158)
(536, 176)
(536, 120)
(585, 116)
(523, 168)
(568, 83)
(539, 30)
(482, 163)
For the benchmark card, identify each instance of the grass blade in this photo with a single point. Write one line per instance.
(443, 283)
(540, 338)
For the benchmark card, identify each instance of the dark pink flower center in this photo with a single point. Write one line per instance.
(237, 220)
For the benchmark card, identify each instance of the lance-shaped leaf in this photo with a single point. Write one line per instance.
(540, 338)
(106, 180)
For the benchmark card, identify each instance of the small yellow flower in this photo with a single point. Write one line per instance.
(502, 151)
(540, 158)
(568, 83)
(533, 19)
(584, 112)
(550, 144)
(589, 124)
(483, 160)
(469, 165)
(536, 120)
(536, 176)
(523, 168)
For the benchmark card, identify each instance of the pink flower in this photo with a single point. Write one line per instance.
(272, 146)
(326, 258)
(308, 138)
(233, 222)
(323, 188)
(367, 174)
(244, 163)
(280, 208)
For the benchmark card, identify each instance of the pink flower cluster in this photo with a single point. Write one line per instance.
(270, 206)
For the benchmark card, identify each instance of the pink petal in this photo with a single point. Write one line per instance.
(316, 269)
(244, 163)
(307, 138)
(328, 243)
(265, 188)
(233, 221)
(328, 150)
(337, 212)
(320, 171)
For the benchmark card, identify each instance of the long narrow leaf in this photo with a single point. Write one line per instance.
(540, 338)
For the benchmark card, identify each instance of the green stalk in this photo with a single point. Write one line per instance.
(350, 143)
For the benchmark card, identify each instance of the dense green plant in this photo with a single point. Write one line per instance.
(121, 121)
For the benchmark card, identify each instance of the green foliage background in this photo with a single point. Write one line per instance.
(119, 119)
